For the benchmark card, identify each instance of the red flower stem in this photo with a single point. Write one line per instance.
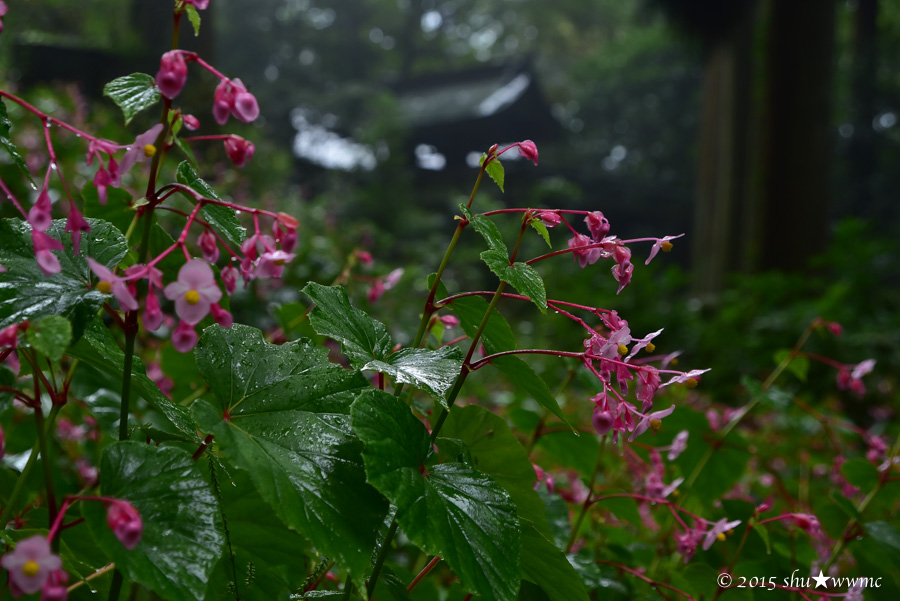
(454, 341)
(203, 446)
(171, 188)
(648, 580)
(13, 200)
(434, 561)
(203, 138)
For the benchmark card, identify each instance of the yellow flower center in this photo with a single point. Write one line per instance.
(192, 297)
(623, 350)
(104, 287)
(150, 150)
(655, 425)
(720, 536)
(278, 261)
(666, 246)
(650, 347)
(673, 361)
(691, 383)
(31, 568)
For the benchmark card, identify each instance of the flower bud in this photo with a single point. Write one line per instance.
(529, 150)
(190, 122)
(125, 522)
(172, 74)
(239, 150)
(603, 421)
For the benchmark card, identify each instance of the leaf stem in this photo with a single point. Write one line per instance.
(587, 501)
(379, 561)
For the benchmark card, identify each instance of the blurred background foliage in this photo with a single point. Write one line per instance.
(765, 130)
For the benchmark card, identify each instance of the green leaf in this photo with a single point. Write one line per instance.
(449, 509)
(5, 126)
(193, 17)
(763, 533)
(799, 366)
(521, 276)
(287, 424)
(117, 209)
(487, 229)
(26, 293)
(860, 473)
(362, 338)
(540, 228)
(99, 349)
(182, 538)
(498, 337)
(494, 170)
(887, 538)
(185, 148)
(50, 336)
(133, 93)
(845, 505)
(222, 219)
(496, 451)
(431, 371)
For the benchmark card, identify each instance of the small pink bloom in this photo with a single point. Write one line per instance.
(111, 283)
(184, 338)
(190, 122)
(391, 279)
(239, 150)
(647, 385)
(222, 317)
(193, 292)
(449, 321)
(76, 224)
(39, 215)
(30, 564)
(585, 257)
(232, 98)
(686, 543)
(198, 4)
(55, 588)
(364, 257)
(529, 150)
(43, 247)
(88, 473)
(376, 290)
(102, 180)
(172, 74)
(642, 343)
(125, 522)
(550, 218)
(271, 264)
(835, 328)
(694, 374)
(139, 150)
(720, 527)
(208, 246)
(9, 336)
(598, 225)
(647, 422)
(602, 420)
(660, 244)
(679, 444)
(152, 316)
(229, 277)
(245, 107)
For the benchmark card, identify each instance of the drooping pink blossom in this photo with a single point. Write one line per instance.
(30, 564)
(39, 214)
(111, 283)
(76, 224)
(598, 225)
(586, 256)
(208, 246)
(43, 247)
(271, 263)
(719, 528)
(198, 4)
(125, 522)
(193, 292)
(449, 320)
(102, 181)
(239, 150)
(232, 98)
(9, 336)
(641, 343)
(650, 421)
(661, 243)
(143, 147)
(529, 150)
(184, 338)
(55, 588)
(647, 385)
(679, 444)
(152, 317)
(602, 421)
(222, 317)
(364, 257)
(550, 219)
(229, 277)
(172, 74)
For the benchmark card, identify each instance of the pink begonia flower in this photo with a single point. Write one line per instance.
(193, 292)
(39, 214)
(679, 444)
(9, 336)
(380, 285)
(647, 385)
(661, 243)
(190, 122)
(391, 279)
(622, 273)
(587, 256)
(719, 528)
(102, 180)
(642, 343)
(598, 225)
(239, 150)
(602, 421)
(877, 448)
(650, 421)
(111, 283)
(55, 588)
(658, 489)
(172, 74)
(43, 247)
(232, 98)
(612, 348)
(184, 338)
(449, 321)
(30, 564)
(222, 317)
(88, 473)
(686, 543)
(550, 219)
(198, 4)
(152, 317)
(544, 477)
(141, 271)
(364, 257)
(143, 147)
(208, 246)
(526, 148)
(375, 291)
(76, 224)
(229, 277)
(683, 378)
(271, 264)
(162, 381)
(125, 522)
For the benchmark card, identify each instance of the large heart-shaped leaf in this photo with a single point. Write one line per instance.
(496, 451)
(222, 219)
(369, 346)
(182, 536)
(99, 349)
(281, 413)
(488, 230)
(449, 509)
(520, 276)
(132, 93)
(26, 293)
